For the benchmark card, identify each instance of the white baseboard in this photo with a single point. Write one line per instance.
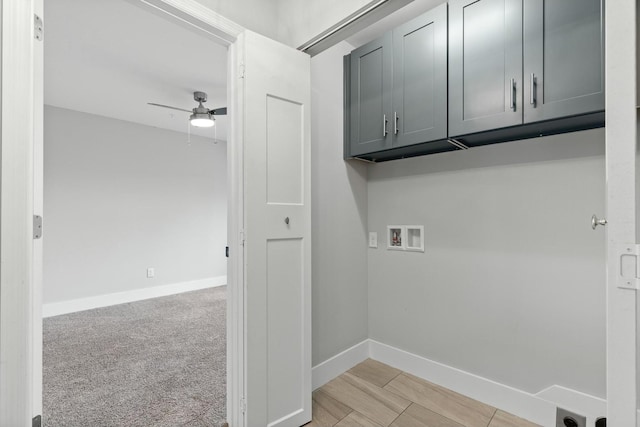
(81, 304)
(338, 364)
(520, 403)
(539, 408)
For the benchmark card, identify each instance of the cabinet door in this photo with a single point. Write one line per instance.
(563, 58)
(420, 79)
(371, 96)
(485, 65)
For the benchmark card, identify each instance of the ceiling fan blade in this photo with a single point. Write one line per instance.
(168, 106)
(219, 111)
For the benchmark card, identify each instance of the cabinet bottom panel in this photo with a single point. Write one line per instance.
(432, 147)
(515, 133)
(534, 130)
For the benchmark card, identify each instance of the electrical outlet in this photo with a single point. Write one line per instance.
(151, 273)
(566, 418)
(373, 239)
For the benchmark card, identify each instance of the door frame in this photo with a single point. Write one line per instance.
(621, 82)
(21, 92)
(16, 211)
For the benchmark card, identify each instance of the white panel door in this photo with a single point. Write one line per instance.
(278, 231)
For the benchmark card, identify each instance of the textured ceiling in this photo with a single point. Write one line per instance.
(112, 57)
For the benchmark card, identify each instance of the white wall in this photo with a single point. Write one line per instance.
(121, 197)
(339, 216)
(300, 21)
(511, 285)
(292, 22)
(260, 16)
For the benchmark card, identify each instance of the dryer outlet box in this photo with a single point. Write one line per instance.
(566, 418)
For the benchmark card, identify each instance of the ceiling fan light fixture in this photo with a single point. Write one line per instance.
(202, 120)
(201, 116)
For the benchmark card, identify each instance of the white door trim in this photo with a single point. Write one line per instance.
(199, 16)
(621, 151)
(236, 336)
(38, 209)
(19, 120)
(16, 212)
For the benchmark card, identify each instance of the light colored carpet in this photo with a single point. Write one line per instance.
(159, 362)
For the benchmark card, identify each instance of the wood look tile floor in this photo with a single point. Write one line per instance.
(373, 394)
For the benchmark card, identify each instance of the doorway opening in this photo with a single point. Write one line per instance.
(135, 203)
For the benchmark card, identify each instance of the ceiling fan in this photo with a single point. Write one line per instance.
(201, 116)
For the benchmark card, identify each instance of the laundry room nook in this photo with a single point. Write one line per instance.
(329, 213)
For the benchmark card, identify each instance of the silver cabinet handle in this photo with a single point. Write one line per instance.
(595, 221)
(512, 99)
(395, 122)
(533, 90)
(384, 125)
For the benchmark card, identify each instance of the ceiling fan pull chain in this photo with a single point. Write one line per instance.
(188, 133)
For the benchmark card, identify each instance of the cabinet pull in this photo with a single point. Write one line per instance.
(533, 90)
(512, 99)
(395, 122)
(384, 125)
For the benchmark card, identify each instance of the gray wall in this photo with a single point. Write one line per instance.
(121, 197)
(511, 285)
(339, 217)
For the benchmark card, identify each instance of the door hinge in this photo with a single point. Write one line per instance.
(36, 421)
(37, 227)
(243, 405)
(243, 237)
(38, 28)
(628, 269)
(241, 71)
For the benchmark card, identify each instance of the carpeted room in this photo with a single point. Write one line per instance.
(156, 362)
(134, 302)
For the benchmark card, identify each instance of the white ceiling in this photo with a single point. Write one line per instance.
(112, 57)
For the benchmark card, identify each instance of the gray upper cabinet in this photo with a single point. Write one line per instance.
(370, 97)
(398, 88)
(476, 72)
(420, 79)
(563, 58)
(485, 65)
